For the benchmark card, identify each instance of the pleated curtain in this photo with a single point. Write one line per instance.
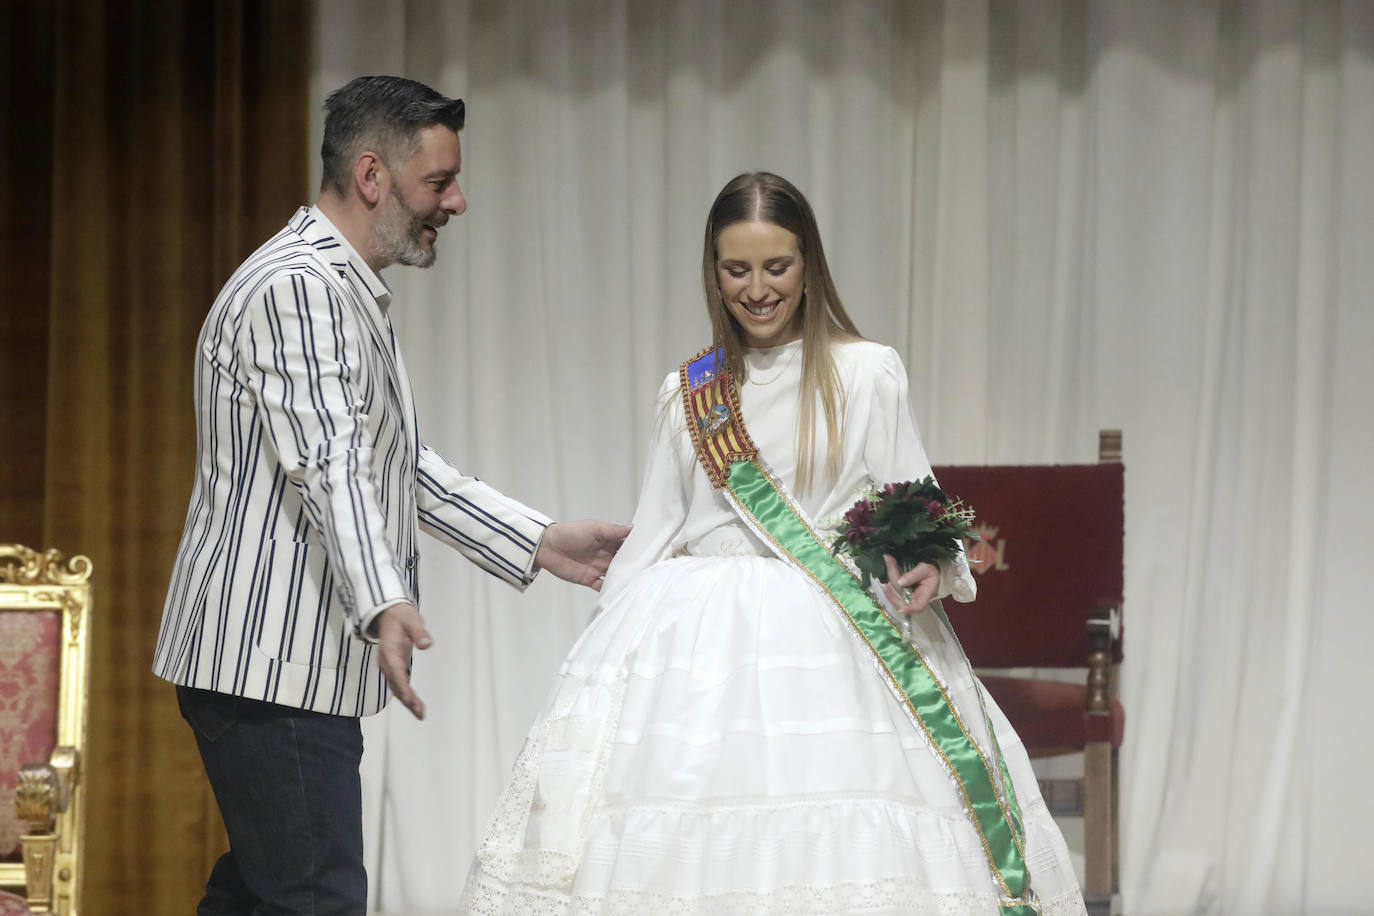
(1065, 216)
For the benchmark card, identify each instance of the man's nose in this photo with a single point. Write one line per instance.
(454, 202)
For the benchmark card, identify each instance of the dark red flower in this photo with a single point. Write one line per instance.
(860, 521)
(935, 508)
(855, 535)
(860, 514)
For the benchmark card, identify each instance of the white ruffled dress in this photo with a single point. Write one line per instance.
(719, 741)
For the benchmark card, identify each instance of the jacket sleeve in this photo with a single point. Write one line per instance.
(494, 531)
(300, 347)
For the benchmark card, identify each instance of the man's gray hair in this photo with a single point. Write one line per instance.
(384, 114)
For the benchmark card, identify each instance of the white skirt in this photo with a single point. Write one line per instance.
(719, 741)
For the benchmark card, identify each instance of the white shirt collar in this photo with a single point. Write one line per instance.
(343, 258)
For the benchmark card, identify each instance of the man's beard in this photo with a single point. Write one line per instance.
(398, 234)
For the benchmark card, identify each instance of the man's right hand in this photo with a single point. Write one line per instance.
(400, 628)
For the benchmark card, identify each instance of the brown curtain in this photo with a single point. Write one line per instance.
(148, 147)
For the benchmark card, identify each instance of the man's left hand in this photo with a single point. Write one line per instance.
(580, 552)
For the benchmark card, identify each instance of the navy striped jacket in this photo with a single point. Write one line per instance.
(310, 485)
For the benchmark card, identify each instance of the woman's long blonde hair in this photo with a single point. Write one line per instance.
(765, 197)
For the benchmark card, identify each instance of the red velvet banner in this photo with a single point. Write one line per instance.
(1052, 552)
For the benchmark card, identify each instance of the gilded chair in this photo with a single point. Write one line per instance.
(45, 605)
(1049, 573)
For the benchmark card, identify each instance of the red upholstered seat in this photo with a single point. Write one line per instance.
(10, 905)
(28, 707)
(1049, 716)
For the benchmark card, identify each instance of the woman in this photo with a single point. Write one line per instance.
(742, 729)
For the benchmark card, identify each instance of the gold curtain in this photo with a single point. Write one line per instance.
(148, 148)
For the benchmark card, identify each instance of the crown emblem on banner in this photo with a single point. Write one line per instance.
(989, 554)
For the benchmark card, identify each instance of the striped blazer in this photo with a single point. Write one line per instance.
(310, 484)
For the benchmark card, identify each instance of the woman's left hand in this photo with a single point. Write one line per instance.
(914, 589)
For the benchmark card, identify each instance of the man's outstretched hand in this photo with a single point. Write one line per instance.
(580, 552)
(400, 628)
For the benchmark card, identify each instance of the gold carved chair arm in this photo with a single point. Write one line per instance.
(67, 762)
(38, 798)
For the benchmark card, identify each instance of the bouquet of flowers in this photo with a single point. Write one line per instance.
(913, 521)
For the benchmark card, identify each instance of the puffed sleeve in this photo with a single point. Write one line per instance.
(664, 498)
(893, 452)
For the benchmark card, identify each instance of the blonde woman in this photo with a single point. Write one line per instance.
(743, 728)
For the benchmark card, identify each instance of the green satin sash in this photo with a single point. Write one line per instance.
(995, 813)
(765, 506)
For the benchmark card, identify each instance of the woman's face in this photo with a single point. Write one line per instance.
(760, 272)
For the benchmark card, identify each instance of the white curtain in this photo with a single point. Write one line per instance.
(1066, 215)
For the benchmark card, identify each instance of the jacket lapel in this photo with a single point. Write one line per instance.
(365, 290)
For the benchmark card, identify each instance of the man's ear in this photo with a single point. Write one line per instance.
(369, 176)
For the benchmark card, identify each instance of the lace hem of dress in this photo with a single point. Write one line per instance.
(487, 896)
(556, 779)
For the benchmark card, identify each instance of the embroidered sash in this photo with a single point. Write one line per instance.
(732, 462)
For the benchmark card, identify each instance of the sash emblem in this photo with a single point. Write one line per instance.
(715, 420)
(713, 415)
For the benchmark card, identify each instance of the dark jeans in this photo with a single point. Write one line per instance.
(287, 785)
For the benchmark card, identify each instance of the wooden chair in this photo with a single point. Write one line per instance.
(45, 608)
(1049, 575)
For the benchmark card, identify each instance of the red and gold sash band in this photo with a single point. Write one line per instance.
(713, 416)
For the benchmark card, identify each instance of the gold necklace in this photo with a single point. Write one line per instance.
(784, 364)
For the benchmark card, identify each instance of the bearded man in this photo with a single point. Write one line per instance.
(292, 609)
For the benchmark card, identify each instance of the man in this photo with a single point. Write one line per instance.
(292, 607)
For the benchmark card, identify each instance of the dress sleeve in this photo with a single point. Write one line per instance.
(664, 498)
(893, 452)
